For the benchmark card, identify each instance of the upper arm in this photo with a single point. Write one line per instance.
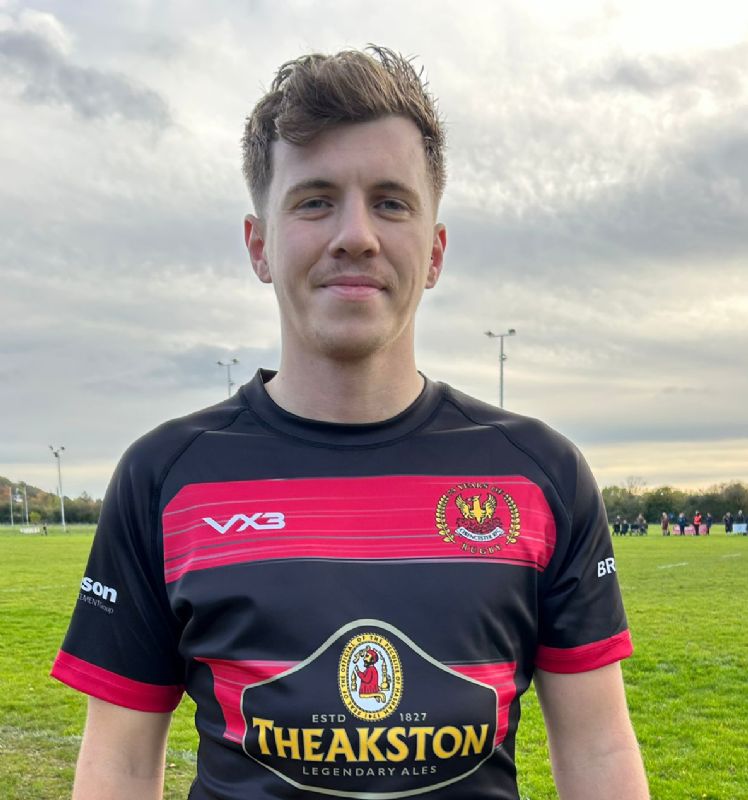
(122, 753)
(594, 752)
(583, 707)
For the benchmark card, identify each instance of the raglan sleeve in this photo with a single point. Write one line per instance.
(122, 642)
(582, 622)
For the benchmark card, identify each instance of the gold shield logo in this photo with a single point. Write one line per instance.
(482, 515)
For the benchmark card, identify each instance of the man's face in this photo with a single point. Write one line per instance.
(349, 239)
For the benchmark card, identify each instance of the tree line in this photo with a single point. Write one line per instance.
(44, 506)
(634, 498)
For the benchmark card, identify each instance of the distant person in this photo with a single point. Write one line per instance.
(740, 520)
(665, 524)
(682, 522)
(641, 525)
(697, 523)
(617, 526)
(709, 522)
(728, 520)
(44, 528)
(624, 527)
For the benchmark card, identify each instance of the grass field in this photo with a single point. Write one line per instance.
(687, 683)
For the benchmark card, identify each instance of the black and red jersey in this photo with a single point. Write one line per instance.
(356, 609)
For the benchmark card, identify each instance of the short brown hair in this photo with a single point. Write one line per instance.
(314, 92)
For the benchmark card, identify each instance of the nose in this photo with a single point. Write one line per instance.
(355, 235)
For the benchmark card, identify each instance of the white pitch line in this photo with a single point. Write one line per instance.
(733, 555)
(670, 566)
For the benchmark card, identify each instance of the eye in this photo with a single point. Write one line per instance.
(313, 204)
(392, 204)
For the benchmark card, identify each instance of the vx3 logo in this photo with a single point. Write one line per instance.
(262, 521)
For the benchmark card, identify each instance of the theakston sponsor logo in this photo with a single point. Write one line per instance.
(261, 521)
(370, 714)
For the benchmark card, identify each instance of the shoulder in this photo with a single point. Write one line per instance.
(152, 454)
(535, 438)
(537, 450)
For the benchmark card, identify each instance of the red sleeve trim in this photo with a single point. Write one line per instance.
(116, 689)
(585, 657)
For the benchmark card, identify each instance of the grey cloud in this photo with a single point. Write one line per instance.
(50, 77)
(125, 236)
(675, 390)
(190, 368)
(692, 204)
(696, 207)
(719, 71)
(654, 429)
(648, 76)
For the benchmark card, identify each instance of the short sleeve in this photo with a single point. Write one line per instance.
(582, 620)
(122, 642)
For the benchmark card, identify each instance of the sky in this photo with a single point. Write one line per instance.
(597, 202)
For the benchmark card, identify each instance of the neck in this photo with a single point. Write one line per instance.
(355, 392)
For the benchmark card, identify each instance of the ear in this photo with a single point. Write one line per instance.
(254, 238)
(438, 246)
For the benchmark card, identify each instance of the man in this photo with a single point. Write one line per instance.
(682, 522)
(252, 551)
(369, 677)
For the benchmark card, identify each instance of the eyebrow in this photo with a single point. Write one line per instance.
(311, 184)
(321, 184)
(398, 187)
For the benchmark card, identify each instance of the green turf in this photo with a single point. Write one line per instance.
(686, 599)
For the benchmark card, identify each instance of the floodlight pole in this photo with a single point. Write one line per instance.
(502, 359)
(57, 454)
(10, 489)
(228, 365)
(25, 504)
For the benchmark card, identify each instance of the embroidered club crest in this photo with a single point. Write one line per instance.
(479, 517)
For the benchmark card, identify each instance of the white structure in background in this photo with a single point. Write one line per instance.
(228, 365)
(56, 452)
(502, 359)
(12, 498)
(25, 504)
(24, 500)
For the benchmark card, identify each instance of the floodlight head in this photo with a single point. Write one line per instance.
(511, 332)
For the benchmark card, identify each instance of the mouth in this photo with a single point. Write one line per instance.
(353, 286)
(353, 280)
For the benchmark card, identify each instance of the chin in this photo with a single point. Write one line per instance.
(351, 346)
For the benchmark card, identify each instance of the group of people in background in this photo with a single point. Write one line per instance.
(699, 525)
(622, 527)
(738, 519)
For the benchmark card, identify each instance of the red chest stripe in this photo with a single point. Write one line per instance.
(424, 518)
